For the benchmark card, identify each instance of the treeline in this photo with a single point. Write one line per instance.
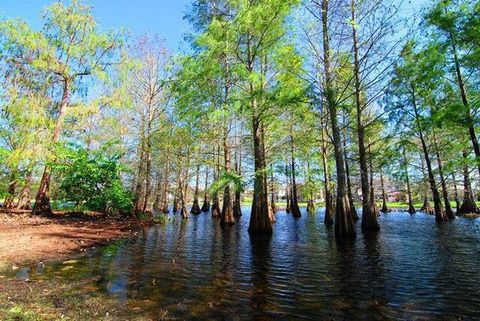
(330, 99)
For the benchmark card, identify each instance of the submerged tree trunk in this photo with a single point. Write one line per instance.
(273, 207)
(215, 200)
(411, 207)
(196, 206)
(349, 183)
(372, 198)
(384, 195)
(294, 202)
(260, 219)
(437, 203)
(468, 205)
(42, 199)
(463, 93)
(446, 200)
(206, 201)
(227, 217)
(237, 203)
(344, 226)
(426, 204)
(328, 220)
(456, 196)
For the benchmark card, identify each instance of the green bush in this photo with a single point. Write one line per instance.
(91, 180)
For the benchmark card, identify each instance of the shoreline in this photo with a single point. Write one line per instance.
(27, 239)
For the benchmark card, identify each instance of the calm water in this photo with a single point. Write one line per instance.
(414, 270)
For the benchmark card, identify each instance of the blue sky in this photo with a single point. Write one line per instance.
(164, 17)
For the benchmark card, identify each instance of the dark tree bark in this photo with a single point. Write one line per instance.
(349, 183)
(437, 203)
(206, 201)
(260, 219)
(426, 204)
(294, 202)
(272, 190)
(369, 215)
(195, 210)
(372, 197)
(326, 177)
(384, 195)
(463, 93)
(344, 226)
(42, 199)
(468, 205)
(287, 190)
(237, 203)
(456, 196)
(411, 207)
(446, 200)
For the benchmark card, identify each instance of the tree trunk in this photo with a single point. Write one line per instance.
(24, 202)
(384, 195)
(237, 204)
(294, 202)
(446, 200)
(9, 202)
(463, 92)
(437, 203)
(328, 220)
(344, 226)
(273, 207)
(260, 219)
(287, 189)
(42, 199)
(206, 201)
(426, 204)
(468, 205)
(411, 208)
(216, 202)
(349, 183)
(456, 197)
(196, 206)
(227, 217)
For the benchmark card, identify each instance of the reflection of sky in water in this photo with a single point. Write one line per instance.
(194, 269)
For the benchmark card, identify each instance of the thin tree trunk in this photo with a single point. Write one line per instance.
(369, 215)
(294, 202)
(349, 183)
(328, 220)
(446, 200)
(437, 203)
(272, 190)
(206, 201)
(196, 206)
(411, 207)
(384, 195)
(237, 204)
(227, 217)
(426, 204)
(344, 226)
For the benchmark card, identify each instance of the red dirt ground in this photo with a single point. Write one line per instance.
(25, 238)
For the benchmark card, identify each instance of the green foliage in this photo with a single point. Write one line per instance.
(91, 179)
(225, 179)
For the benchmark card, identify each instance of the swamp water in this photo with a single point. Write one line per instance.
(192, 269)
